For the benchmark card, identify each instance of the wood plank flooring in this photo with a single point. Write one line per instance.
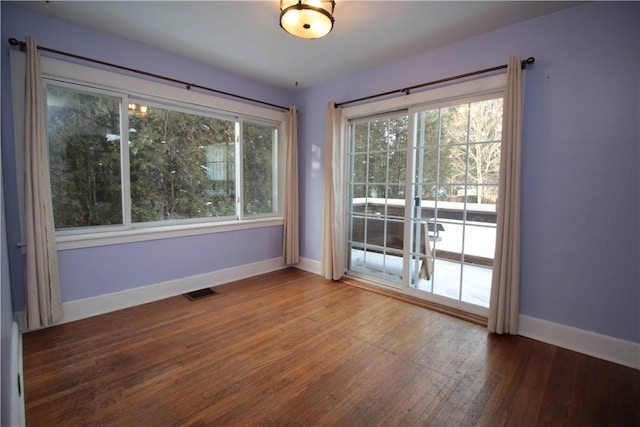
(289, 348)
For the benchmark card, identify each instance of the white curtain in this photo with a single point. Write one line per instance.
(43, 294)
(291, 241)
(505, 285)
(332, 262)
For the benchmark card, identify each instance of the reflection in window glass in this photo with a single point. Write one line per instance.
(259, 180)
(456, 180)
(83, 131)
(119, 162)
(179, 165)
(378, 165)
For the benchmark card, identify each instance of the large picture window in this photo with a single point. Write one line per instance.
(175, 163)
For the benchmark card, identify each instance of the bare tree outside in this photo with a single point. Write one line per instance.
(475, 129)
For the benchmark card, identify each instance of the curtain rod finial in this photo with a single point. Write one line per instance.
(15, 42)
(530, 60)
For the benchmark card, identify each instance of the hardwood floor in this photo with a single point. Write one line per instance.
(289, 348)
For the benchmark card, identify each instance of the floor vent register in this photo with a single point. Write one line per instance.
(199, 294)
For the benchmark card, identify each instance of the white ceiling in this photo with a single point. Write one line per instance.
(244, 37)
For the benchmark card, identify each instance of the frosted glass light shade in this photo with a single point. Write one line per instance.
(309, 19)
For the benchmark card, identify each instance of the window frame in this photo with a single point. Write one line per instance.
(93, 79)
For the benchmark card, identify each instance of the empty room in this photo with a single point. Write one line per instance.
(316, 212)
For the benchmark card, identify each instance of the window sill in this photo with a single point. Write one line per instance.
(88, 240)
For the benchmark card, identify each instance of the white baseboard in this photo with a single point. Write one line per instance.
(626, 353)
(310, 265)
(17, 416)
(101, 304)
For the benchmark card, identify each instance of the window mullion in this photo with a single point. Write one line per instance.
(239, 169)
(275, 155)
(124, 158)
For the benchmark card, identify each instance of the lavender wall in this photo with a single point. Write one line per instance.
(95, 271)
(7, 350)
(105, 269)
(581, 189)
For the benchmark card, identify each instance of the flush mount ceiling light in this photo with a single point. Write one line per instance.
(309, 19)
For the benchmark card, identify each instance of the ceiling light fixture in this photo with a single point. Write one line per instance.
(309, 19)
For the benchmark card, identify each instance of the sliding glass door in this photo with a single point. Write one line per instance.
(435, 169)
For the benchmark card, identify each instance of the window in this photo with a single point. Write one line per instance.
(259, 158)
(134, 160)
(220, 161)
(176, 164)
(220, 168)
(83, 131)
(168, 173)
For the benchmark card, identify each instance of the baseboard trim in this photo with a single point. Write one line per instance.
(17, 415)
(310, 265)
(612, 349)
(101, 304)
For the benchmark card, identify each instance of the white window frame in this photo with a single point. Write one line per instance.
(63, 72)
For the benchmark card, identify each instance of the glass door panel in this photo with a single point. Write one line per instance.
(378, 160)
(455, 159)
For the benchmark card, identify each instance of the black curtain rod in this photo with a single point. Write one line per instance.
(408, 90)
(23, 45)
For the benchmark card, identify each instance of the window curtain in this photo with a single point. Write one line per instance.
(291, 241)
(505, 284)
(332, 261)
(43, 294)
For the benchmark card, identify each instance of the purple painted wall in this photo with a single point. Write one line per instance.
(101, 270)
(105, 269)
(581, 156)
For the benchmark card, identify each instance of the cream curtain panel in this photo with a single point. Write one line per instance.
(332, 260)
(43, 294)
(291, 241)
(505, 284)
